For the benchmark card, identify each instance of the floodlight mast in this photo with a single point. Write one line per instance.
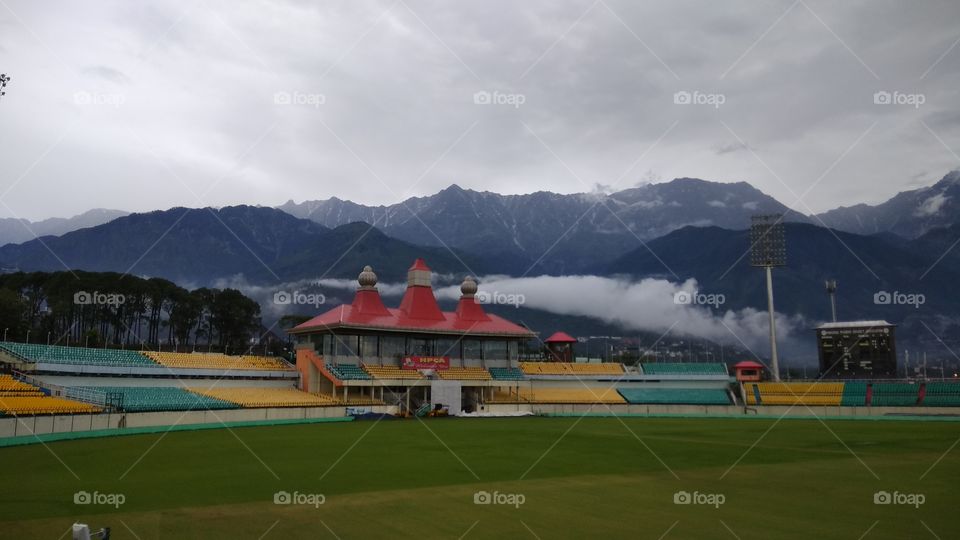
(768, 249)
(831, 286)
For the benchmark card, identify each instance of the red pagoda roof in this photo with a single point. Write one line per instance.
(561, 337)
(419, 264)
(418, 312)
(748, 364)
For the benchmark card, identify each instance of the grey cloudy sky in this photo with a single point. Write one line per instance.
(139, 106)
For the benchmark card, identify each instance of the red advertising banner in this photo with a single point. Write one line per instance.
(426, 362)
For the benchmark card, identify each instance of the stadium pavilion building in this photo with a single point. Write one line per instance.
(462, 355)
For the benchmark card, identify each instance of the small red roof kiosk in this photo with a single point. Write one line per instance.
(748, 371)
(560, 347)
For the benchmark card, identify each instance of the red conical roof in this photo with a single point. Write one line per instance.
(418, 301)
(468, 309)
(368, 302)
(419, 264)
(560, 337)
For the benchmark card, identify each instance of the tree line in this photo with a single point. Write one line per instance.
(98, 309)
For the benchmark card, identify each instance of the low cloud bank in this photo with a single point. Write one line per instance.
(654, 305)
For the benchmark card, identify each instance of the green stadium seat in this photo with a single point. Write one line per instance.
(348, 372)
(57, 354)
(894, 394)
(162, 398)
(854, 394)
(942, 394)
(683, 368)
(506, 373)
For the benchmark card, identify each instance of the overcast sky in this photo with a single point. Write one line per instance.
(140, 106)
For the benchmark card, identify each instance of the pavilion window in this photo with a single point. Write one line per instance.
(369, 349)
(472, 350)
(420, 347)
(513, 350)
(392, 347)
(347, 345)
(494, 350)
(329, 342)
(448, 347)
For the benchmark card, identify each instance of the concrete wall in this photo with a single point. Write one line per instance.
(730, 410)
(25, 426)
(40, 425)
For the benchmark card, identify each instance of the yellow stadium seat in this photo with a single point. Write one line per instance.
(795, 393)
(216, 361)
(569, 368)
(384, 372)
(465, 373)
(560, 395)
(253, 397)
(43, 405)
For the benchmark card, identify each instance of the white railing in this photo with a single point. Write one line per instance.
(86, 395)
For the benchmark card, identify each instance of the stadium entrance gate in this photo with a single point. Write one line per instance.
(446, 393)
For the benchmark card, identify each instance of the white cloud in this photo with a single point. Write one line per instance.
(931, 206)
(198, 81)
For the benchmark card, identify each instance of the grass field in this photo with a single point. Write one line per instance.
(579, 478)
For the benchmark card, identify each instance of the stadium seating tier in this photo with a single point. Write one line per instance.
(199, 360)
(162, 398)
(56, 354)
(683, 368)
(571, 368)
(254, 397)
(676, 396)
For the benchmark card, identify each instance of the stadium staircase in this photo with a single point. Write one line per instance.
(424, 410)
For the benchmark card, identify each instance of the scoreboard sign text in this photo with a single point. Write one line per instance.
(426, 362)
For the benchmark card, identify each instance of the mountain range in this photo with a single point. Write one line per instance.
(14, 230)
(686, 228)
(551, 233)
(909, 214)
(199, 246)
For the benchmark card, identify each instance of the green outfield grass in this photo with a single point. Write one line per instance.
(580, 478)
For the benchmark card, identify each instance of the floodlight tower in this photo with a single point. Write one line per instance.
(768, 249)
(831, 286)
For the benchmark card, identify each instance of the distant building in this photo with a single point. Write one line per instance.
(560, 347)
(855, 349)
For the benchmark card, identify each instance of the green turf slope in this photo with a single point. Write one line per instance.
(581, 478)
